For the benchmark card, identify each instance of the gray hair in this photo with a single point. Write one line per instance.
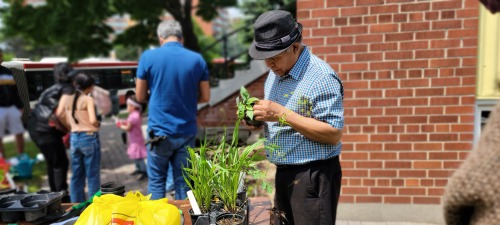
(169, 28)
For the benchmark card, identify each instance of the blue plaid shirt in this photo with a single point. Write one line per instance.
(311, 89)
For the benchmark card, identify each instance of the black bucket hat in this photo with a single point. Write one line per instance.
(274, 32)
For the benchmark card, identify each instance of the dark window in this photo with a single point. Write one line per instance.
(37, 82)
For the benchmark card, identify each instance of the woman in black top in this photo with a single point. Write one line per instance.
(46, 135)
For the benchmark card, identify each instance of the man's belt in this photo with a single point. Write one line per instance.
(154, 140)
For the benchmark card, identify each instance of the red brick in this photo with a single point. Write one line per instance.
(369, 2)
(444, 101)
(459, 110)
(354, 156)
(326, 22)
(441, 182)
(385, 18)
(368, 165)
(416, 16)
(329, 13)
(369, 129)
(395, 164)
(412, 45)
(413, 137)
(411, 191)
(354, 173)
(443, 119)
(400, 18)
(369, 57)
(468, 62)
(397, 182)
(440, 128)
(412, 156)
(398, 111)
(471, 4)
(355, 182)
(383, 74)
(383, 173)
(355, 120)
(429, 92)
(446, 72)
(383, 65)
(465, 71)
(439, 63)
(429, 54)
(399, 37)
(457, 146)
(368, 93)
(431, 15)
(369, 38)
(426, 182)
(346, 198)
(459, 52)
(415, 26)
(460, 90)
(383, 28)
(351, 11)
(382, 191)
(463, 33)
(429, 110)
(340, 58)
(411, 182)
(415, 7)
(384, 47)
(383, 102)
(414, 64)
(397, 129)
(354, 67)
(412, 128)
(355, 20)
(398, 146)
(447, 81)
(339, 40)
(427, 164)
(368, 199)
(370, 19)
(414, 102)
(383, 120)
(428, 146)
(369, 182)
(383, 138)
(443, 155)
(368, 111)
(436, 191)
(460, 128)
(399, 93)
(354, 129)
(412, 173)
(446, 24)
(443, 137)
(427, 128)
(383, 84)
(440, 5)
(397, 199)
(303, 14)
(426, 200)
(355, 190)
(448, 14)
(414, 82)
(325, 50)
(384, 9)
(368, 147)
(467, 13)
(382, 156)
(320, 4)
(450, 43)
(430, 35)
(340, 21)
(383, 182)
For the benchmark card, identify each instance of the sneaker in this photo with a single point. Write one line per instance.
(135, 172)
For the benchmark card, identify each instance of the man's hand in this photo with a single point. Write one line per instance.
(265, 110)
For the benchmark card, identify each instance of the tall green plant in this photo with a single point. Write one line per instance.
(200, 176)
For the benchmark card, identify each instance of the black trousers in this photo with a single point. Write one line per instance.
(52, 148)
(309, 194)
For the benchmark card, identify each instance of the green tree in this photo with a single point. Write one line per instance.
(79, 26)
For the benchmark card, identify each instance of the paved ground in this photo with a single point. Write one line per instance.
(116, 167)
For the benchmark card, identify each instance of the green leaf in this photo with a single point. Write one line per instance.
(252, 100)
(250, 114)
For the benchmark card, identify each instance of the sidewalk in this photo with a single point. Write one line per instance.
(116, 167)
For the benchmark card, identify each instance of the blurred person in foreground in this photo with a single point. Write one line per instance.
(47, 131)
(177, 79)
(304, 117)
(11, 109)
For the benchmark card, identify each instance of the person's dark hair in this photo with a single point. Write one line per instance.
(81, 81)
(61, 72)
(129, 93)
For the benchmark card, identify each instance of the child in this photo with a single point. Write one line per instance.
(136, 148)
(85, 145)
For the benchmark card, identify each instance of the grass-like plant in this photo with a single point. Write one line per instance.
(200, 176)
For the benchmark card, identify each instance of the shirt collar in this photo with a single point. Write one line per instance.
(172, 43)
(300, 66)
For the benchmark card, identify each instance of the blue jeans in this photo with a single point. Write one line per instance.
(173, 150)
(170, 179)
(85, 163)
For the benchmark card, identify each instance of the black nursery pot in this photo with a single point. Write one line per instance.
(255, 123)
(237, 219)
(194, 217)
(112, 188)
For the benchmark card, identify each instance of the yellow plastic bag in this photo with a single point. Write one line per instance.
(133, 209)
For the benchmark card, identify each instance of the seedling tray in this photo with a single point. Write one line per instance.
(29, 207)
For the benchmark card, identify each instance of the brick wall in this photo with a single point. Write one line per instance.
(409, 70)
(224, 113)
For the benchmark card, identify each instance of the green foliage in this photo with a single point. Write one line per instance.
(78, 27)
(244, 104)
(39, 169)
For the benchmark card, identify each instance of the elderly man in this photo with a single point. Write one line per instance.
(177, 79)
(304, 119)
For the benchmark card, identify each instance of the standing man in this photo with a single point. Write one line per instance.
(11, 109)
(177, 79)
(304, 119)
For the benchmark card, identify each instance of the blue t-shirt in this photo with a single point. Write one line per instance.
(173, 74)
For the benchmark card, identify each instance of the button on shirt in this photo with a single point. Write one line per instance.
(311, 89)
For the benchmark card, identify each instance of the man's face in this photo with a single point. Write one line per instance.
(282, 63)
